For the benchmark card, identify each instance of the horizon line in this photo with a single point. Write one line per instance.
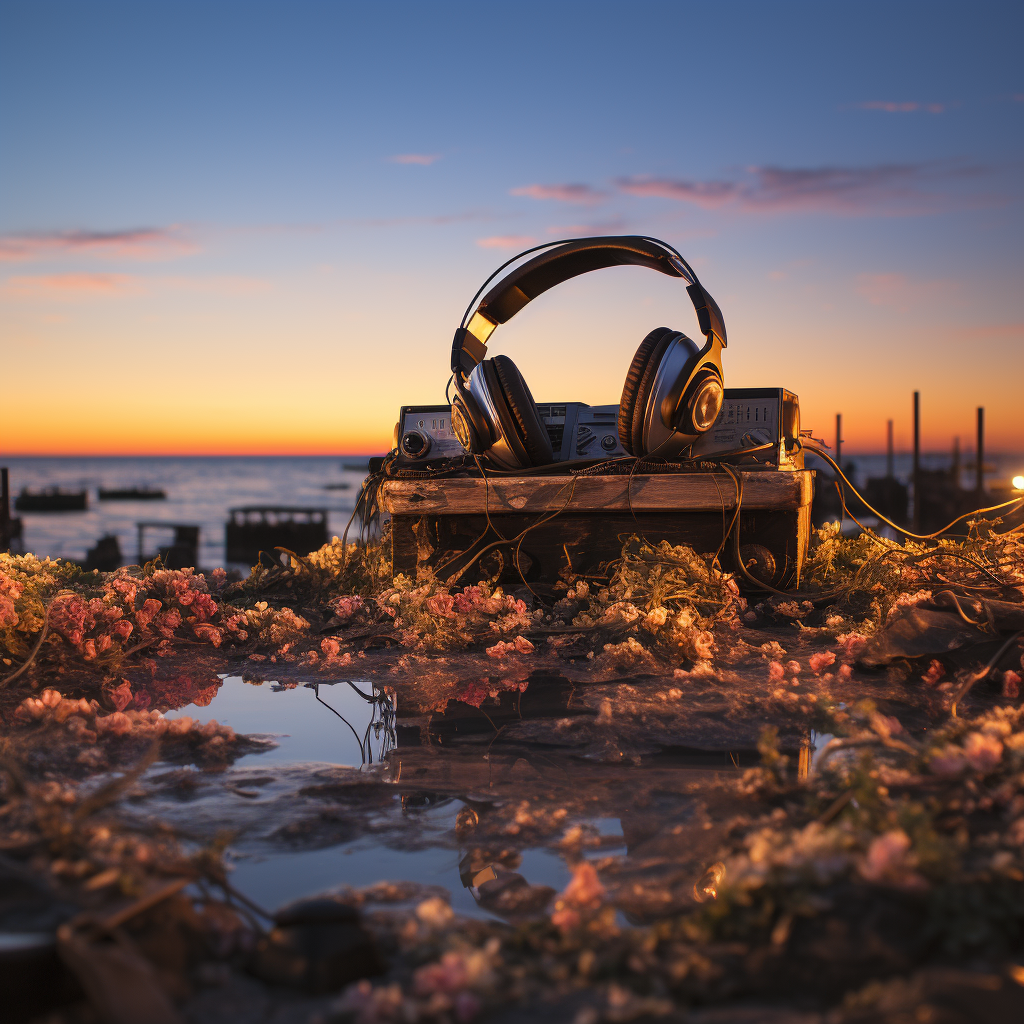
(357, 454)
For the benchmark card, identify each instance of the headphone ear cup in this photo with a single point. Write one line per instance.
(528, 426)
(637, 389)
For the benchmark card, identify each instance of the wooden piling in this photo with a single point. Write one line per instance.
(979, 470)
(839, 440)
(5, 510)
(917, 461)
(889, 455)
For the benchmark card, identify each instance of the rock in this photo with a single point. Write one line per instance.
(318, 945)
(916, 632)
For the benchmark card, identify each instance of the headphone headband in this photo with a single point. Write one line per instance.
(568, 260)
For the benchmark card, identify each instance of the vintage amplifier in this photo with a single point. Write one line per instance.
(424, 434)
(750, 418)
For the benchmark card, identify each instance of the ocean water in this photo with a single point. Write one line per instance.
(1000, 468)
(202, 490)
(199, 491)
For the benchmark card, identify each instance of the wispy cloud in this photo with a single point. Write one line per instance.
(422, 159)
(506, 242)
(70, 285)
(613, 226)
(131, 243)
(900, 292)
(580, 195)
(882, 188)
(440, 219)
(907, 107)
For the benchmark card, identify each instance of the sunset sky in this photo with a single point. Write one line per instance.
(253, 228)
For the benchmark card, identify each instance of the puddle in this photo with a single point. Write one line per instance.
(357, 791)
(303, 727)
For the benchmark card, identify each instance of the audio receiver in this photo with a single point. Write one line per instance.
(766, 419)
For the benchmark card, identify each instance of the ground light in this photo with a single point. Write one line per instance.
(1018, 483)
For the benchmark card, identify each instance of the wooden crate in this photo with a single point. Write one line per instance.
(433, 519)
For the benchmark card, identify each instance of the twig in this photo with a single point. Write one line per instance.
(976, 677)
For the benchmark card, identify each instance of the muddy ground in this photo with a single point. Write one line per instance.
(704, 808)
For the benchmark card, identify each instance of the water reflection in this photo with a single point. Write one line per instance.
(498, 808)
(381, 723)
(296, 716)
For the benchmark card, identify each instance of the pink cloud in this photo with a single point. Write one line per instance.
(506, 242)
(86, 285)
(580, 195)
(882, 188)
(999, 331)
(70, 285)
(903, 108)
(615, 226)
(422, 159)
(897, 291)
(135, 243)
(226, 284)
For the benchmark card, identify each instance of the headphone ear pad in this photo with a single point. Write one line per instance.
(637, 388)
(528, 425)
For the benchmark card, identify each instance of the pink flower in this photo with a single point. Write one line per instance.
(704, 645)
(346, 608)
(522, 645)
(118, 724)
(203, 606)
(448, 975)
(845, 672)
(983, 752)
(889, 860)
(122, 629)
(442, 605)
(1011, 685)
(821, 660)
(500, 649)
(584, 889)
(121, 697)
(145, 615)
(8, 616)
(776, 673)
(71, 617)
(10, 587)
(124, 587)
(167, 622)
(793, 668)
(584, 892)
(852, 644)
(934, 674)
(233, 623)
(30, 709)
(211, 634)
(330, 647)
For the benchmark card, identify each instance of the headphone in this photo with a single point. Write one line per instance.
(673, 390)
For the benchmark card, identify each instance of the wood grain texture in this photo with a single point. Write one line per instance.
(691, 491)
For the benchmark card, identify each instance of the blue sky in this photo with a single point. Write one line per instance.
(203, 204)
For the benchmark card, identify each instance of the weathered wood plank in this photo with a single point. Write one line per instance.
(762, 489)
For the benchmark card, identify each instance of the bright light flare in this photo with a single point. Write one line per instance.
(1018, 483)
